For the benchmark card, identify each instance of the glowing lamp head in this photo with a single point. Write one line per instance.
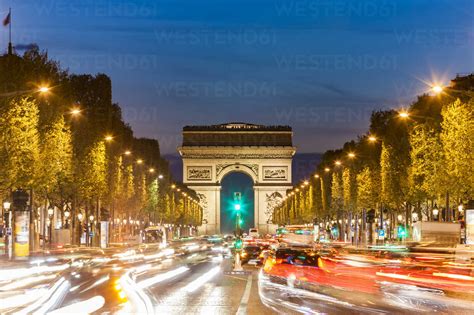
(237, 207)
(43, 89)
(437, 89)
(6, 205)
(372, 138)
(351, 155)
(75, 111)
(403, 114)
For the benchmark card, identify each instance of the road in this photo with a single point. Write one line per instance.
(195, 279)
(129, 282)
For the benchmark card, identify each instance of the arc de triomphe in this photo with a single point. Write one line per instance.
(264, 153)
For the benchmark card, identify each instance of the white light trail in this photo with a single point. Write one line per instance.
(83, 307)
(196, 284)
(162, 277)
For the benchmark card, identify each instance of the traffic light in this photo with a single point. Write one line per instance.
(241, 221)
(237, 207)
(402, 232)
(238, 243)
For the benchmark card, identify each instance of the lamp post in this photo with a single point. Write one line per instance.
(8, 232)
(67, 214)
(90, 230)
(50, 223)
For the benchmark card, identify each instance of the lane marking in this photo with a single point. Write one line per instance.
(234, 277)
(245, 297)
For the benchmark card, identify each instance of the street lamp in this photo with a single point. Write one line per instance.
(91, 218)
(139, 161)
(43, 89)
(6, 205)
(160, 176)
(316, 175)
(50, 211)
(80, 216)
(435, 212)
(108, 138)
(127, 152)
(151, 170)
(437, 89)
(351, 155)
(338, 163)
(403, 114)
(75, 111)
(327, 169)
(372, 138)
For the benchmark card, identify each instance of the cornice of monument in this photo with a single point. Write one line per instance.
(236, 152)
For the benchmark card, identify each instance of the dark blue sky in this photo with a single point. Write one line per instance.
(320, 66)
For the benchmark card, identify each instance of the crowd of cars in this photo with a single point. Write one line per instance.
(293, 263)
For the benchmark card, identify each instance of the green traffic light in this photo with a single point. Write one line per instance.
(401, 231)
(237, 206)
(238, 243)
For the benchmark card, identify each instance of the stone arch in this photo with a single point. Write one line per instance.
(236, 167)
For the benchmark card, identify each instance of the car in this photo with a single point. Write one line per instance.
(250, 254)
(253, 232)
(294, 256)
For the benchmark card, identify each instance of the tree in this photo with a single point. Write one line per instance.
(93, 171)
(151, 205)
(349, 185)
(337, 192)
(55, 158)
(368, 189)
(393, 178)
(457, 138)
(19, 151)
(426, 175)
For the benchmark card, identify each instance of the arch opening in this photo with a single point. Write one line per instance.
(231, 183)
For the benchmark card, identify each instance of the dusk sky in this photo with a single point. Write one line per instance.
(318, 66)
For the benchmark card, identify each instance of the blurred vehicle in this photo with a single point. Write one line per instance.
(250, 254)
(154, 234)
(253, 232)
(187, 245)
(296, 256)
(296, 235)
(229, 237)
(217, 244)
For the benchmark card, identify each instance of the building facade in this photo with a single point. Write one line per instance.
(264, 153)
